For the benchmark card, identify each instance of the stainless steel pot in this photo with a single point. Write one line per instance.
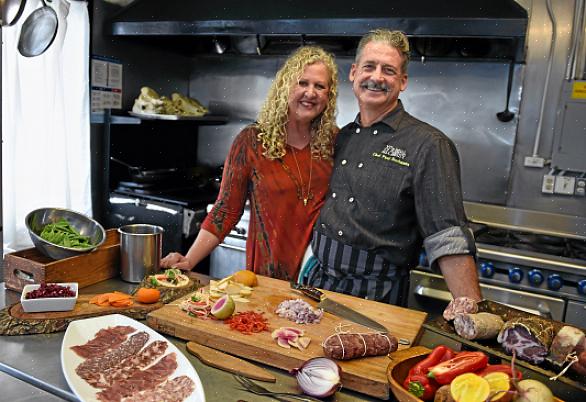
(140, 251)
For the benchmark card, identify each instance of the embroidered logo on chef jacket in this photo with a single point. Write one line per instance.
(392, 154)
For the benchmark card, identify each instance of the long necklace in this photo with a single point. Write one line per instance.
(308, 196)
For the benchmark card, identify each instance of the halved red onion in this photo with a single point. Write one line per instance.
(319, 377)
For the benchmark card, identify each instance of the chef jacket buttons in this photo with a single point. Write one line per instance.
(351, 199)
(357, 130)
(333, 195)
(344, 161)
(375, 132)
(340, 233)
(360, 165)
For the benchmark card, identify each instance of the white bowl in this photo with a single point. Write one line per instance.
(48, 303)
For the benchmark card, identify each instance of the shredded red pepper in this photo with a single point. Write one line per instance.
(248, 322)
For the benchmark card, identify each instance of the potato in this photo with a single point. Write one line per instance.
(533, 391)
(443, 394)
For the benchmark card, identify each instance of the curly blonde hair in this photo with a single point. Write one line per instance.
(273, 117)
(396, 39)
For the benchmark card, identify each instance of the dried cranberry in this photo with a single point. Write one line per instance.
(50, 290)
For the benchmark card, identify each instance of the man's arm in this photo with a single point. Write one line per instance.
(461, 276)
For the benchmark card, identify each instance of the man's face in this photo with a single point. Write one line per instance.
(377, 78)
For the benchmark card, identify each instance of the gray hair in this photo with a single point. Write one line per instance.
(396, 39)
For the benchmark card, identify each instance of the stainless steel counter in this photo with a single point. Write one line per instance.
(39, 357)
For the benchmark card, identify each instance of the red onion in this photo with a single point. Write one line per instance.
(319, 377)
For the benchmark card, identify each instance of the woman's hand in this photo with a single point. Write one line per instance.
(176, 260)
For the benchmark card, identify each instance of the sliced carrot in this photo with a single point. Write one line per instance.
(122, 303)
(118, 296)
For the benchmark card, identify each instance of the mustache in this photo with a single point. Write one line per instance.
(372, 85)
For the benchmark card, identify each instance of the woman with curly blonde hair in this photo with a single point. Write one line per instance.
(282, 165)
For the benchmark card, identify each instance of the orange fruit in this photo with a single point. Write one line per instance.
(147, 295)
(245, 277)
(469, 387)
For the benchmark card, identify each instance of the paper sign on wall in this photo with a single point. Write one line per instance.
(106, 83)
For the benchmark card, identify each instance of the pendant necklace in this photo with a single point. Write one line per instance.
(307, 196)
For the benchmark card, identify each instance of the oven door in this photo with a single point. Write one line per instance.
(228, 257)
(125, 210)
(429, 292)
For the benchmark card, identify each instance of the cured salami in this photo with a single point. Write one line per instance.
(346, 346)
(529, 337)
(478, 326)
(174, 390)
(105, 339)
(460, 305)
(112, 358)
(143, 380)
(128, 366)
(564, 343)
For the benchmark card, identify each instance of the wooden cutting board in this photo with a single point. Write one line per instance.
(366, 375)
(14, 321)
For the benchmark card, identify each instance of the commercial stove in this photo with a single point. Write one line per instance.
(178, 209)
(539, 267)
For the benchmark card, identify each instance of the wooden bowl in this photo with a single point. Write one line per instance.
(401, 363)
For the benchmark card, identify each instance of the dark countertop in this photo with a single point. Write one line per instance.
(39, 356)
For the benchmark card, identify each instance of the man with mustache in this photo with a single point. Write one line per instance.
(395, 186)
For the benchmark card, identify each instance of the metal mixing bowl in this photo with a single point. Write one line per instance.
(36, 220)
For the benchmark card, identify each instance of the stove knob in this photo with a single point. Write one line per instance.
(515, 275)
(582, 287)
(535, 277)
(554, 282)
(487, 269)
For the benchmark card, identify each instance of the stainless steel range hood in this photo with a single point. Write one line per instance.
(276, 27)
(430, 18)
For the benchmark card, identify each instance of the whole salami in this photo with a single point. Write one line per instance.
(478, 326)
(346, 346)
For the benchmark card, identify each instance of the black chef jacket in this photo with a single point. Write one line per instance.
(395, 185)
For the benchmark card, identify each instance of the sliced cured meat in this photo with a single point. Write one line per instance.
(529, 337)
(174, 390)
(128, 366)
(144, 380)
(460, 305)
(112, 358)
(478, 326)
(105, 339)
(564, 343)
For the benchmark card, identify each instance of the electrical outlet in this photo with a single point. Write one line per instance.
(564, 185)
(548, 184)
(534, 161)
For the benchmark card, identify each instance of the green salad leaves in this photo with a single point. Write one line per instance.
(63, 234)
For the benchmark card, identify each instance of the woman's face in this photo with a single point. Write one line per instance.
(309, 96)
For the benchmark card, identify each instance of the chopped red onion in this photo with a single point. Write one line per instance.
(299, 311)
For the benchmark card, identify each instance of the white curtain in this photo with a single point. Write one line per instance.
(45, 122)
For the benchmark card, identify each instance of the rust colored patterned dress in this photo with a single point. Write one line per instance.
(280, 224)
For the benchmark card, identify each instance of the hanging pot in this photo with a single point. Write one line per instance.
(10, 11)
(38, 31)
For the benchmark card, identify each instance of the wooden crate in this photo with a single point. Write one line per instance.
(31, 266)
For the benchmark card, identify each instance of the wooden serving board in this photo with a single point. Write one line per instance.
(14, 321)
(366, 375)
